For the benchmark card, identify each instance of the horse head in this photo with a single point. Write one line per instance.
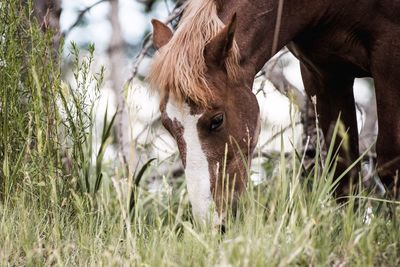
(214, 120)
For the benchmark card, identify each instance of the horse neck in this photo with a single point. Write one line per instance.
(258, 21)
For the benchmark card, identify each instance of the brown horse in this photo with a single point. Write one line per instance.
(205, 70)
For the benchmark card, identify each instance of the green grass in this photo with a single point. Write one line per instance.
(280, 222)
(58, 207)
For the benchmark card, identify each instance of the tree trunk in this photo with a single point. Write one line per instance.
(48, 14)
(116, 57)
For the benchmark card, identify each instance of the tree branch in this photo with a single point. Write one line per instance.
(148, 40)
(82, 13)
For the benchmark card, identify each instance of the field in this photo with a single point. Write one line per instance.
(62, 204)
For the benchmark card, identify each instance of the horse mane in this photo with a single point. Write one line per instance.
(179, 67)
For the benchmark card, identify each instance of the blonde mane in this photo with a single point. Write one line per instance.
(179, 67)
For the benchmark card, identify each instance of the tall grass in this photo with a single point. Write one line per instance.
(61, 204)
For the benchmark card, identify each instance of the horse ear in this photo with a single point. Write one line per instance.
(219, 46)
(161, 34)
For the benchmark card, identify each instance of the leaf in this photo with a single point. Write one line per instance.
(137, 180)
(142, 171)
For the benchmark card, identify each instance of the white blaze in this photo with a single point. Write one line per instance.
(197, 168)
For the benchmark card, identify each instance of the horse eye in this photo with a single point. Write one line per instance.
(216, 122)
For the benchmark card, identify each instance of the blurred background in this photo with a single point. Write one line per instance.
(121, 33)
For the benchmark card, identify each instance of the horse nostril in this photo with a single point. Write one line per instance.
(222, 229)
(234, 206)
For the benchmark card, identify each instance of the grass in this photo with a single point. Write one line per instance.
(58, 206)
(281, 222)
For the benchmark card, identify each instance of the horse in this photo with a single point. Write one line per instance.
(204, 73)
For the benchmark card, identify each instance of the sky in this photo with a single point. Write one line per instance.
(133, 20)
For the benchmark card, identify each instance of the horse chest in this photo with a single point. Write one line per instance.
(335, 51)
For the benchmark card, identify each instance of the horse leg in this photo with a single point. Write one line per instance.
(387, 86)
(334, 96)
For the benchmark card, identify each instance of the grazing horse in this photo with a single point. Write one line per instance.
(204, 73)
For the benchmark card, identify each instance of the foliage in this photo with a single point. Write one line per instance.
(29, 80)
(62, 204)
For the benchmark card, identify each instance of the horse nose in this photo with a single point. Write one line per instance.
(234, 206)
(222, 229)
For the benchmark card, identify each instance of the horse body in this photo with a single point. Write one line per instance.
(335, 41)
